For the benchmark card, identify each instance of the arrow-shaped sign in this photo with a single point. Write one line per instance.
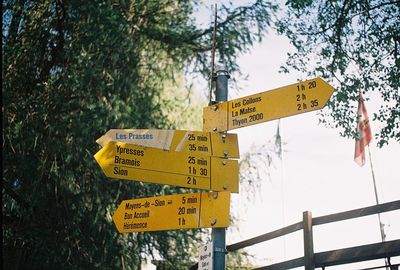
(134, 162)
(180, 211)
(196, 142)
(266, 106)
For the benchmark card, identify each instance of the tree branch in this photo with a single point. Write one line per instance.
(375, 7)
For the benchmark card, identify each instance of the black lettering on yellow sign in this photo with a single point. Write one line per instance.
(267, 106)
(126, 161)
(145, 214)
(135, 225)
(129, 151)
(120, 171)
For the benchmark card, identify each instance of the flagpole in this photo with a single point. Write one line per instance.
(363, 139)
(280, 153)
(383, 236)
(381, 226)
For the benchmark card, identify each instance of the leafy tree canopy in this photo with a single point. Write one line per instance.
(356, 44)
(72, 70)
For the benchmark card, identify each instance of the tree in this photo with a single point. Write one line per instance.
(72, 70)
(355, 44)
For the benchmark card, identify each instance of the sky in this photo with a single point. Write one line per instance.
(317, 173)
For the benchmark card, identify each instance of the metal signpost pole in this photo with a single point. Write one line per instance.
(218, 234)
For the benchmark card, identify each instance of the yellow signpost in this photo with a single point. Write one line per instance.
(135, 162)
(281, 102)
(179, 211)
(196, 142)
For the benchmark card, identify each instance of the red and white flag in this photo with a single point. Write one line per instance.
(364, 135)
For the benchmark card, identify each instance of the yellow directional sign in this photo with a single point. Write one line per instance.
(134, 162)
(180, 211)
(281, 102)
(196, 142)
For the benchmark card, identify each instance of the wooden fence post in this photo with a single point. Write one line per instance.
(309, 262)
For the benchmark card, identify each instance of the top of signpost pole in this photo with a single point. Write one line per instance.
(221, 91)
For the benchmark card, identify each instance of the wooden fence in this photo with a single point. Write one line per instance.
(313, 260)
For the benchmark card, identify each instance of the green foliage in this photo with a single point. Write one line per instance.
(71, 71)
(182, 106)
(239, 260)
(356, 44)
